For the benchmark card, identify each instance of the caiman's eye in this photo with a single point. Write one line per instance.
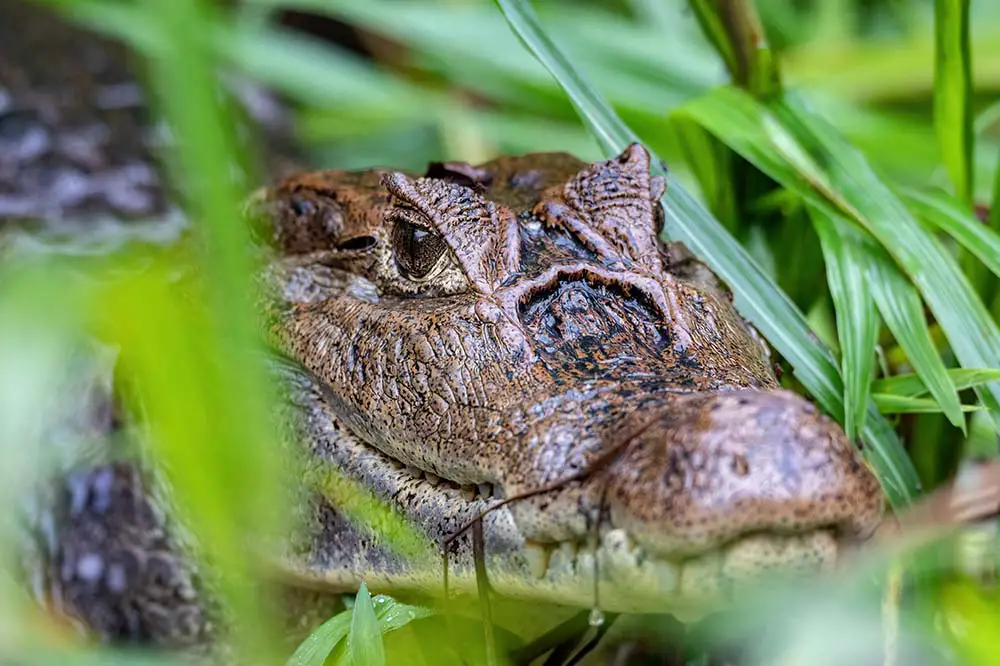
(418, 250)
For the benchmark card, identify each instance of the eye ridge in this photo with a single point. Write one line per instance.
(417, 249)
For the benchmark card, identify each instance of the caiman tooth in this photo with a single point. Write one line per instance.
(537, 556)
(432, 478)
(468, 493)
(415, 472)
(485, 490)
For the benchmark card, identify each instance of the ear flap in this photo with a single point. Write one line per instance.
(619, 198)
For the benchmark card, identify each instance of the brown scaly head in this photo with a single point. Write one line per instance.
(484, 332)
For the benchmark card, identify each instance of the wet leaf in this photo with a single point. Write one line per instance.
(364, 642)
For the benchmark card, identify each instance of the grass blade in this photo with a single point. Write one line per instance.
(972, 333)
(889, 403)
(734, 29)
(946, 214)
(857, 319)
(912, 386)
(315, 649)
(903, 312)
(391, 615)
(364, 642)
(714, 29)
(756, 296)
(777, 143)
(953, 92)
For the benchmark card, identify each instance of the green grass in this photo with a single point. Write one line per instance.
(788, 134)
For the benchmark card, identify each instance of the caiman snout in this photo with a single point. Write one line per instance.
(715, 467)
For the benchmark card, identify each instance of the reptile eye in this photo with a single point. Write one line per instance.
(417, 249)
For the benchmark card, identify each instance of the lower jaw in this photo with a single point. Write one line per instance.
(626, 581)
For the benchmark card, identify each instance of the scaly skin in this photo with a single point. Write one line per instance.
(555, 343)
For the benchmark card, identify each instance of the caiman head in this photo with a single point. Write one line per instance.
(517, 331)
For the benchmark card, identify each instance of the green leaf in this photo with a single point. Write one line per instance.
(394, 615)
(364, 642)
(735, 30)
(903, 311)
(756, 296)
(912, 386)
(972, 333)
(315, 649)
(706, 11)
(831, 173)
(857, 319)
(994, 218)
(391, 615)
(958, 222)
(953, 92)
(898, 404)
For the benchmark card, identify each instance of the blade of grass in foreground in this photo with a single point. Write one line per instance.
(364, 642)
(953, 93)
(756, 295)
(857, 318)
(194, 357)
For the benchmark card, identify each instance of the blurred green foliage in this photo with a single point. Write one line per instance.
(835, 150)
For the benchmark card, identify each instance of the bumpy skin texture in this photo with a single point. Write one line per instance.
(113, 564)
(556, 344)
